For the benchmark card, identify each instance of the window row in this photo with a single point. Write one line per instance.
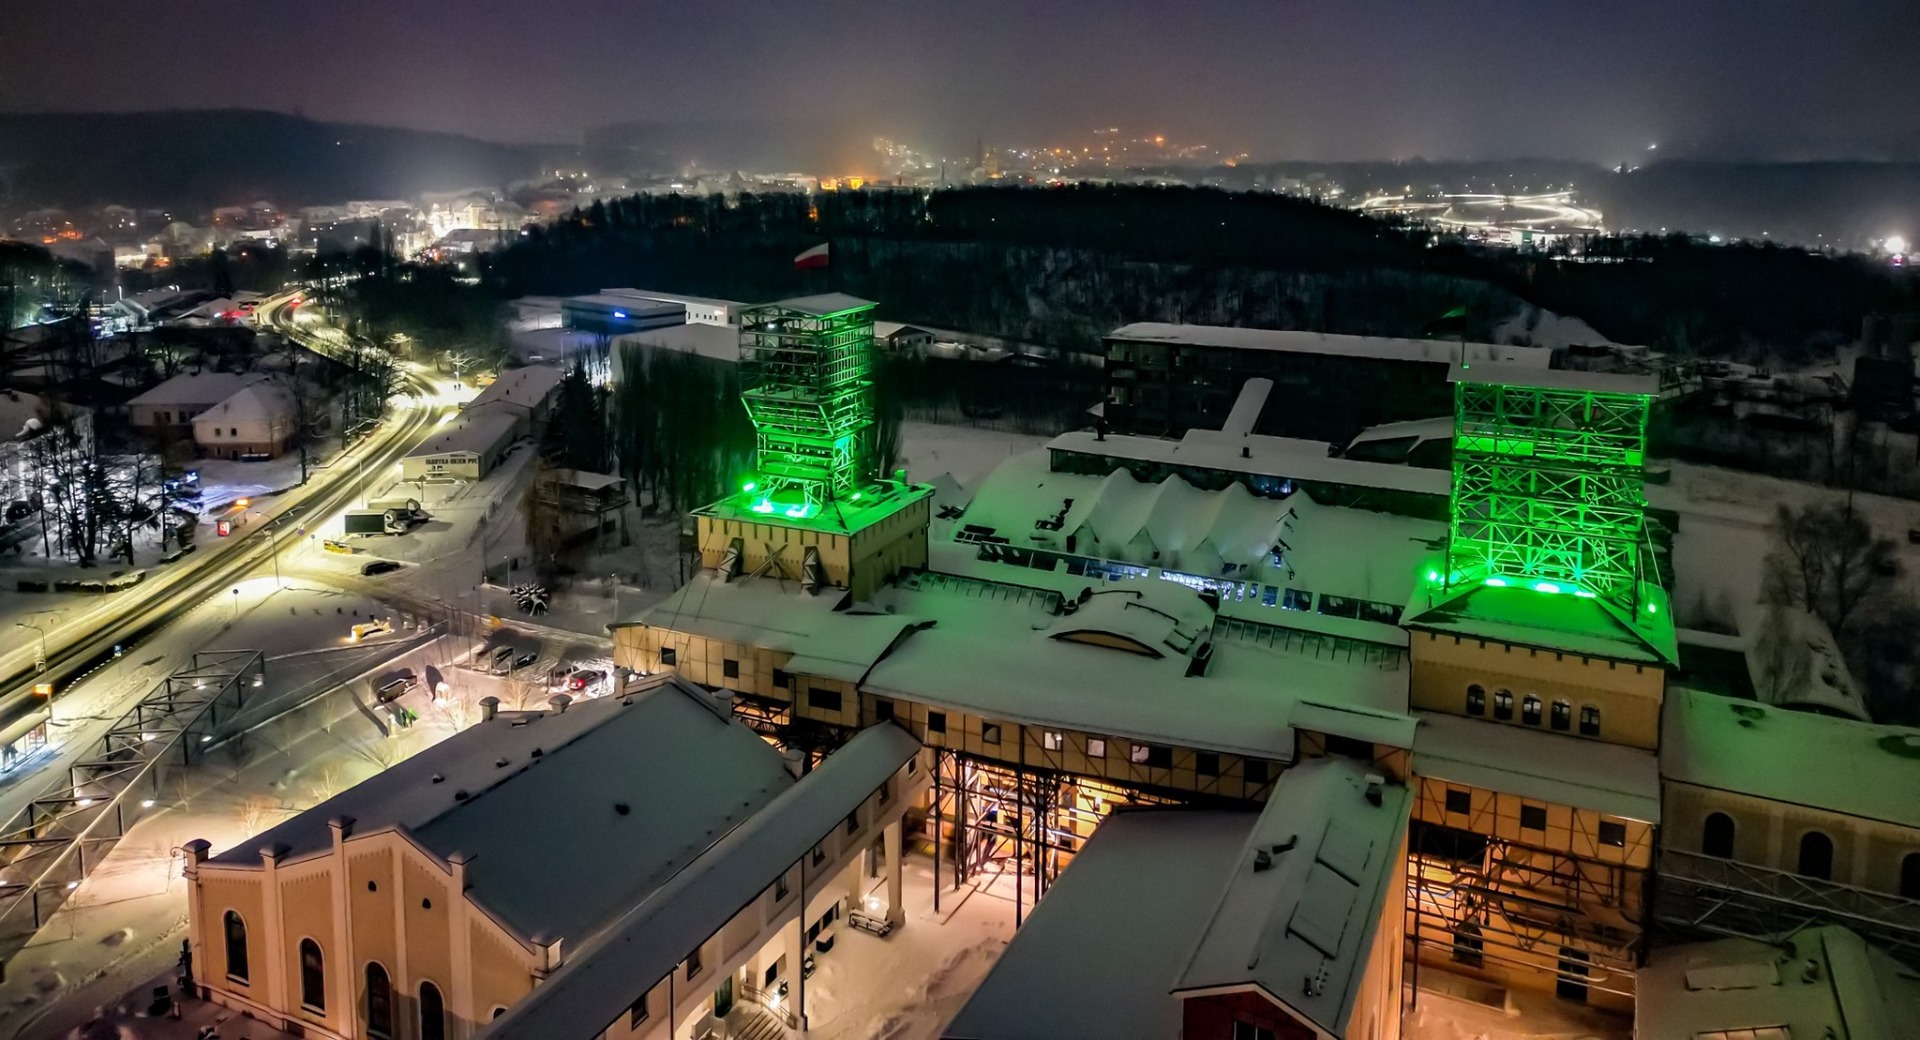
(1611, 833)
(1560, 713)
(313, 984)
(1815, 858)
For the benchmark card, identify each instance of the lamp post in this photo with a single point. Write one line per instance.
(236, 606)
(40, 658)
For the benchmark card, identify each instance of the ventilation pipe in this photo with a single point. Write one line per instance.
(558, 702)
(489, 707)
(730, 561)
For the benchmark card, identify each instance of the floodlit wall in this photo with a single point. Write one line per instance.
(393, 905)
(1867, 854)
(861, 561)
(1570, 861)
(1446, 667)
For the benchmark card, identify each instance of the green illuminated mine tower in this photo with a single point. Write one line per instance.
(808, 368)
(814, 510)
(1548, 494)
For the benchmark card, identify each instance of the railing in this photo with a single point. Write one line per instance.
(772, 1003)
(1729, 897)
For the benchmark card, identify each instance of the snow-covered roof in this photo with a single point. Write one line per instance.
(1552, 767)
(474, 431)
(890, 329)
(1796, 757)
(22, 414)
(1230, 533)
(824, 304)
(1311, 913)
(1439, 351)
(719, 342)
(1524, 617)
(521, 387)
(1283, 458)
(634, 306)
(534, 800)
(1821, 983)
(596, 985)
(1138, 892)
(1509, 373)
(667, 297)
(1794, 662)
(1439, 427)
(256, 402)
(1247, 406)
(197, 388)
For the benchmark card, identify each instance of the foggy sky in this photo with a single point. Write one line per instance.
(1327, 79)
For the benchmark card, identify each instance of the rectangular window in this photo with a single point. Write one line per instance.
(1533, 817)
(772, 975)
(780, 887)
(1096, 747)
(990, 733)
(1350, 747)
(819, 855)
(936, 722)
(882, 710)
(1256, 771)
(853, 822)
(693, 963)
(886, 790)
(1249, 1031)
(1206, 763)
(823, 700)
(1297, 599)
(730, 668)
(1459, 801)
(781, 680)
(1052, 741)
(1613, 834)
(1137, 754)
(668, 657)
(637, 1013)
(1153, 756)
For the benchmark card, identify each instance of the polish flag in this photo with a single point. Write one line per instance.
(815, 257)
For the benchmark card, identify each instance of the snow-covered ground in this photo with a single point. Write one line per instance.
(908, 985)
(1530, 1016)
(968, 452)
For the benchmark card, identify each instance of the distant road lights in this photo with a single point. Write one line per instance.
(1894, 244)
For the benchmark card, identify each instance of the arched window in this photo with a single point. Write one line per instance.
(1562, 716)
(379, 1003)
(1503, 705)
(1716, 836)
(313, 976)
(1589, 720)
(433, 1013)
(236, 948)
(1816, 856)
(1468, 947)
(1910, 875)
(1530, 710)
(1476, 699)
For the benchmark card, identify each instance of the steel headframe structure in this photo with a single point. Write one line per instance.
(1548, 490)
(809, 390)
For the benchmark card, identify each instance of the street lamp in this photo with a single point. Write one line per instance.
(40, 662)
(236, 606)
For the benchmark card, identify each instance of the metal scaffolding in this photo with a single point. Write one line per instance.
(1527, 909)
(56, 841)
(1696, 894)
(809, 391)
(1548, 490)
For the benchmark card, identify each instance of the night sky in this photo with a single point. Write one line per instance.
(1328, 79)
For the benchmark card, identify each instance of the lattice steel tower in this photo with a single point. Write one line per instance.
(808, 369)
(1548, 485)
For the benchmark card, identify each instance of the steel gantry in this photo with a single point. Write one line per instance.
(1548, 490)
(808, 368)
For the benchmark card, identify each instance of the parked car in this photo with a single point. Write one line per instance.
(583, 680)
(524, 660)
(374, 567)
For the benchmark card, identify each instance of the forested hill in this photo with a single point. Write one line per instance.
(200, 159)
(1059, 266)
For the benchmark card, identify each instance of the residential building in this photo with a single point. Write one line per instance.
(891, 337)
(612, 314)
(613, 867)
(1823, 982)
(173, 404)
(256, 420)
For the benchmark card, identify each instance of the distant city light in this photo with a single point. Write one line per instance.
(1895, 244)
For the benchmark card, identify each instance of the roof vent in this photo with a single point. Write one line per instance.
(1262, 861)
(558, 702)
(536, 753)
(1316, 983)
(501, 762)
(489, 707)
(437, 778)
(622, 808)
(730, 561)
(459, 796)
(1374, 783)
(1810, 972)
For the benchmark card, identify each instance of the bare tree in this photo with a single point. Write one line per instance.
(1829, 562)
(1784, 664)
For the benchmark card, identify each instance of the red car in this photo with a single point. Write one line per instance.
(582, 680)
